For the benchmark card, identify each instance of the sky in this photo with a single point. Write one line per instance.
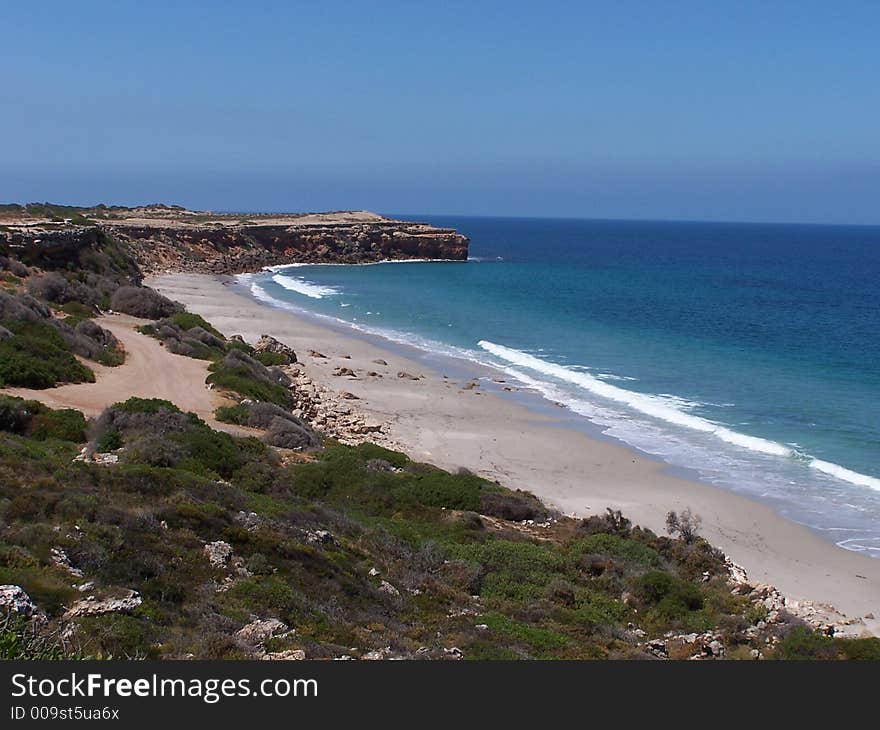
(755, 111)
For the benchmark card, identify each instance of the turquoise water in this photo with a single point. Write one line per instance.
(747, 353)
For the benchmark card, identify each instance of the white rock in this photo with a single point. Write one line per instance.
(288, 655)
(256, 632)
(13, 599)
(93, 607)
(386, 587)
(60, 559)
(218, 553)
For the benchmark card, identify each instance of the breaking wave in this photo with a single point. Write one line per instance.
(672, 410)
(306, 288)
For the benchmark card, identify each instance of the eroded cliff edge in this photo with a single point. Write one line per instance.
(164, 239)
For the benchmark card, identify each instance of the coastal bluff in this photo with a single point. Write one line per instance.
(165, 239)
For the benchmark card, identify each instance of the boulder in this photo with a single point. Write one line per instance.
(218, 553)
(267, 343)
(92, 607)
(288, 655)
(386, 587)
(256, 632)
(14, 600)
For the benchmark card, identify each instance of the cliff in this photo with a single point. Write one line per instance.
(163, 239)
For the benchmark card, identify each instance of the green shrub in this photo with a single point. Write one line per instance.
(537, 639)
(442, 489)
(17, 413)
(146, 405)
(367, 451)
(619, 547)
(109, 441)
(671, 598)
(237, 414)
(188, 320)
(266, 595)
(66, 425)
(509, 505)
(802, 643)
(270, 358)
(39, 422)
(596, 608)
(654, 586)
(78, 311)
(143, 302)
(241, 346)
(215, 451)
(36, 356)
(511, 570)
(861, 649)
(239, 380)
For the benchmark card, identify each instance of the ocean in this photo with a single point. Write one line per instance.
(747, 355)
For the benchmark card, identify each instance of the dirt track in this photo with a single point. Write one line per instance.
(149, 371)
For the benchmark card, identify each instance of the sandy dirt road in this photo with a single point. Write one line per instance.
(149, 371)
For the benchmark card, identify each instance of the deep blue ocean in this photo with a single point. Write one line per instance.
(747, 353)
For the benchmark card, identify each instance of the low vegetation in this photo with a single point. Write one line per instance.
(141, 301)
(36, 355)
(47, 311)
(359, 549)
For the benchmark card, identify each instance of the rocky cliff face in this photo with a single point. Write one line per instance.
(241, 248)
(162, 240)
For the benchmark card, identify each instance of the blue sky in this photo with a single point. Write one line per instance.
(667, 110)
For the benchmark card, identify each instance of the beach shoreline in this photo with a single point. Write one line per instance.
(456, 421)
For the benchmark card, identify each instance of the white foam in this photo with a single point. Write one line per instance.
(666, 408)
(298, 264)
(605, 376)
(403, 338)
(669, 409)
(264, 296)
(650, 405)
(306, 288)
(847, 475)
(281, 267)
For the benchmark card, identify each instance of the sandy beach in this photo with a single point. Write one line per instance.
(446, 419)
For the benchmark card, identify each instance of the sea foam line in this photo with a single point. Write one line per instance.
(646, 404)
(663, 409)
(307, 288)
(401, 338)
(297, 264)
(847, 475)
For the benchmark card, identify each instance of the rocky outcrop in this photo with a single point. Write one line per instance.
(259, 631)
(234, 249)
(332, 412)
(91, 606)
(172, 239)
(218, 553)
(269, 344)
(14, 601)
